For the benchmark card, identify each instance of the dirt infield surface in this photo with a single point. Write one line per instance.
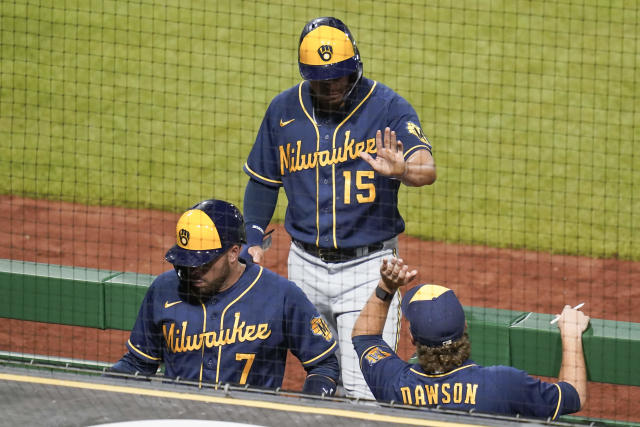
(135, 241)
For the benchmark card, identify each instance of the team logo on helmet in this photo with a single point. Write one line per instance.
(183, 235)
(326, 52)
(415, 130)
(375, 355)
(320, 328)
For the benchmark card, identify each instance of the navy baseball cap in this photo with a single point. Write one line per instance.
(205, 232)
(435, 315)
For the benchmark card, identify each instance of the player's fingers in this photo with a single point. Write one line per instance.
(400, 146)
(387, 138)
(257, 254)
(387, 267)
(367, 158)
(393, 271)
(402, 274)
(393, 145)
(411, 275)
(379, 142)
(397, 268)
(585, 321)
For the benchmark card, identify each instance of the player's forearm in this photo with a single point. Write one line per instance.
(573, 369)
(259, 204)
(420, 170)
(373, 316)
(322, 377)
(130, 364)
(418, 175)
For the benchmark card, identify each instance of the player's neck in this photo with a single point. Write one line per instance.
(236, 272)
(324, 113)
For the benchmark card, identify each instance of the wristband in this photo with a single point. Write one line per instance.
(319, 384)
(383, 295)
(254, 235)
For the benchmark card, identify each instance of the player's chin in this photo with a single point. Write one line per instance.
(331, 103)
(335, 98)
(201, 288)
(198, 284)
(198, 288)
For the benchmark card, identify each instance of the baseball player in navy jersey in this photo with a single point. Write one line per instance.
(445, 375)
(340, 144)
(216, 319)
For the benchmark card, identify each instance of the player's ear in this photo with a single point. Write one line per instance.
(233, 254)
(413, 340)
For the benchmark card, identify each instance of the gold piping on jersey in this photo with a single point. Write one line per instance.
(315, 126)
(555, 414)
(321, 354)
(246, 165)
(415, 147)
(142, 353)
(204, 331)
(222, 320)
(442, 375)
(333, 167)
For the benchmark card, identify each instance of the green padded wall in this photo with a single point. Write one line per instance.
(123, 295)
(52, 293)
(489, 333)
(611, 348)
(70, 295)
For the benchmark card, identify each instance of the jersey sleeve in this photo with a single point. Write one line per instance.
(379, 364)
(308, 335)
(145, 340)
(536, 398)
(263, 163)
(131, 364)
(406, 124)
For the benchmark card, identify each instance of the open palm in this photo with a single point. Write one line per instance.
(389, 160)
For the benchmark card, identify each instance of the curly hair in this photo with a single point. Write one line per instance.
(436, 360)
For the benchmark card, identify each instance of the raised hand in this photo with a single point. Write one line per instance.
(389, 160)
(394, 273)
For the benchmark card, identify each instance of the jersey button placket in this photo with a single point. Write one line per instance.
(214, 312)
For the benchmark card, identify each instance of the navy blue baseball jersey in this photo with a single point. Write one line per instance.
(238, 336)
(335, 199)
(493, 389)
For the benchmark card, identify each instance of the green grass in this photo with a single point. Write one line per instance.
(530, 106)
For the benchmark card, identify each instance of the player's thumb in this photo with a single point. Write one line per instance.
(366, 157)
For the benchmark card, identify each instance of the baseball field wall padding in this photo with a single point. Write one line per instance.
(110, 300)
(70, 295)
(490, 327)
(611, 348)
(122, 297)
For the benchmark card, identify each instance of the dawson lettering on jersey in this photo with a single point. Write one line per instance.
(440, 394)
(178, 341)
(292, 159)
